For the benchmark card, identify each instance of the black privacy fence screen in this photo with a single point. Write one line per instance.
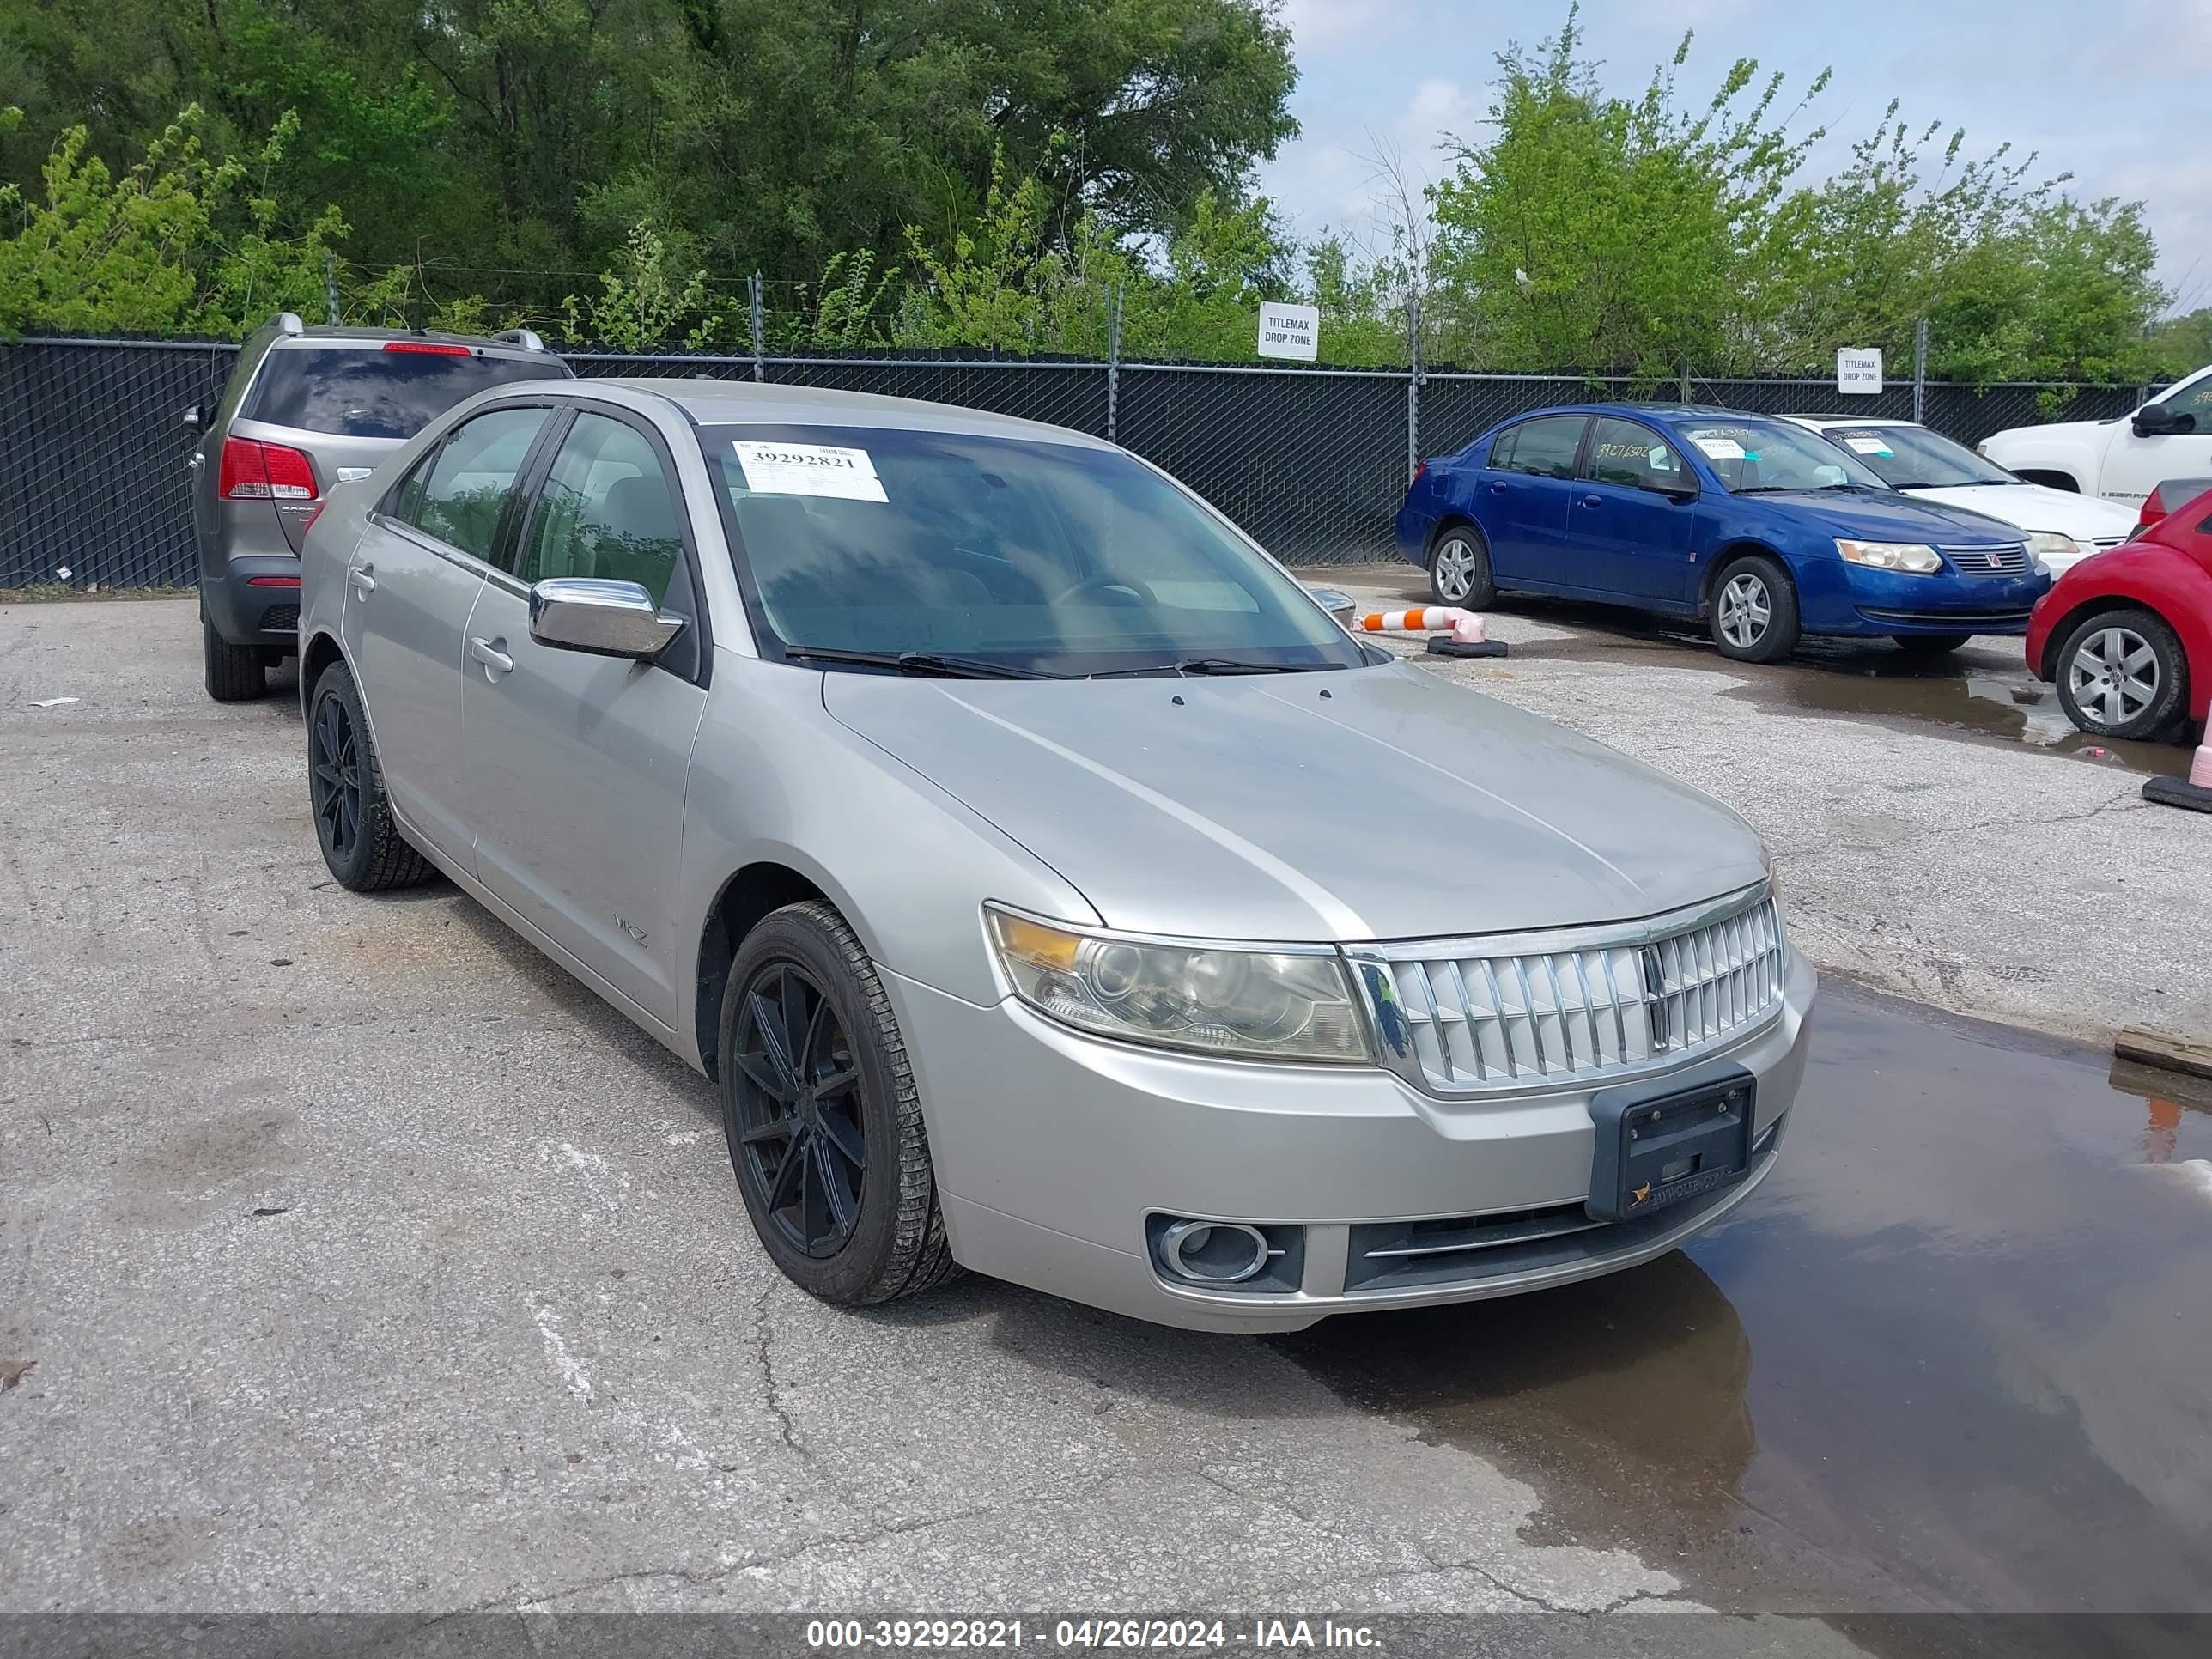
(1311, 461)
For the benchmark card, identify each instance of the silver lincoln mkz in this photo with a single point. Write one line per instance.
(1050, 884)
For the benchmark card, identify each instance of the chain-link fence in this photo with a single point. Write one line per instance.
(1311, 461)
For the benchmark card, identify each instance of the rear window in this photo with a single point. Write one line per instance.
(366, 392)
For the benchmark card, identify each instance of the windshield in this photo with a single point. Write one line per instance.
(376, 391)
(1026, 556)
(1913, 458)
(1754, 457)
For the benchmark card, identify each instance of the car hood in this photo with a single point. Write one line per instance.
(2037, 507)
(1380, 802)
(1891, 516)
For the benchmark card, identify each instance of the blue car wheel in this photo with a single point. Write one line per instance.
(1459, 568)
(1754, 609)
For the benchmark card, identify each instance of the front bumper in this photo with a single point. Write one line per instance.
(1051, 1149)
(1849, 599)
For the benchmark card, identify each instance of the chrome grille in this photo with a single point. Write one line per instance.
(1509, 1012)
(2008, 559)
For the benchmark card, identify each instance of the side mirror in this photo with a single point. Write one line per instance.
(1334, 600)
(1685, 491)
(2162, 420)
(195, 417)
(601, 618)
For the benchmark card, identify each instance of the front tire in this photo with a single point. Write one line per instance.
(822, 1117)
(1754, 609)
(359, 836)
(234, 673)
(2122, 674)
(1928, 647)
(1459, 569)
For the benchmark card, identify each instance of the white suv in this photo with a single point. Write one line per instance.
(2122, 460)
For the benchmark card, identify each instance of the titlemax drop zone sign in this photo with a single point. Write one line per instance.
(1858, 370)
(1289, 330)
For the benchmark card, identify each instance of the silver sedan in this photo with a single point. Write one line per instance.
(1048, 885)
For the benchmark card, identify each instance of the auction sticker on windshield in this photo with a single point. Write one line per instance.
(846, 475)
(1869, 446)
(1720, 449)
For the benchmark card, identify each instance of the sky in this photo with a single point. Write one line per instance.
(2109, 90)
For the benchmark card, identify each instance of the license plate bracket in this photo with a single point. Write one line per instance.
(1665, 1144)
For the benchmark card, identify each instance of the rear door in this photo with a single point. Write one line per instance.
(1633, 519)
(411, 583)
(577, 764)
(1525, 494)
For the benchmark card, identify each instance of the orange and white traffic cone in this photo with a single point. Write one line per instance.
(1452, 632)
(2196, 792)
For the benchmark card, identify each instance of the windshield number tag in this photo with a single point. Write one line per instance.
(1721, 449)
(1869, 446)
(845, 475)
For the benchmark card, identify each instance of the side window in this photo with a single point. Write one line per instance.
(1546, 447)
(609, 510)
(2196, 402)
(470, 479)
(1501, 449)
(1624, 452)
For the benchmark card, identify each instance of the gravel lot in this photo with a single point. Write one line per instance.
(351, 1256)
(1937, 841)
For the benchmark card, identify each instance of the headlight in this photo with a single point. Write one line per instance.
(2045, 545)
(1913, 558)
(1273, 1005)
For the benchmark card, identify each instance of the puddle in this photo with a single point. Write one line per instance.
(1956, 1352)
(1978, 701)
(1984, 692)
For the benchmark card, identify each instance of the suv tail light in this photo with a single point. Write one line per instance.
(255, 471)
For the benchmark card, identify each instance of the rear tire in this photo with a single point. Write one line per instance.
(1929, 646)
(2122, 674)
(1754, 609)
(814, 1071)
(234, 673)
(1459, 569)
(359, 836)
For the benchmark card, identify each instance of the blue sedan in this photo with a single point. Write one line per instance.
(1755, 525)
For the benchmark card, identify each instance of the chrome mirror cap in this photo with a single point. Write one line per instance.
(601, 618)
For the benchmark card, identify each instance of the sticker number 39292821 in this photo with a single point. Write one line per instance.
(778, 469)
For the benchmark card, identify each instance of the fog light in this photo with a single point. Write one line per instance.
(1213, 1252)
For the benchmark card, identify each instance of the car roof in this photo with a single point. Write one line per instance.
(1821, 422)
(744, 403)
(1646, 412)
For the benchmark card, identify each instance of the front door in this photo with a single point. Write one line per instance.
(411, 583)
(1525, 492)
(577, 763)
(2134, 467)
(1633, 514)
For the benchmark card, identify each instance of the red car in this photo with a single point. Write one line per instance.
(2126, 634)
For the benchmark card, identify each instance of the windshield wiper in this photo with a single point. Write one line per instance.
(926, 663)
(1204, 665)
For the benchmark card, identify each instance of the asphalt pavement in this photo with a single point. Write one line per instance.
(354, 1258)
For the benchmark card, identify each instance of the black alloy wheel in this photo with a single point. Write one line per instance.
(802, 1134)
(334, 753)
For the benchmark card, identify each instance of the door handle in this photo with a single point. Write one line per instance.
(1592, 501)
(487, 652)
(1497, 488)
(364, 583)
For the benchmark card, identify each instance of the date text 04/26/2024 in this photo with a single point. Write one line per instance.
(1092, 1634)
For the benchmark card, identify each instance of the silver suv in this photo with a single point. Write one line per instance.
(306, 408)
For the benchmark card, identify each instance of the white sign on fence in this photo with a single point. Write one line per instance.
(1290, 330)
(1858, 371)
